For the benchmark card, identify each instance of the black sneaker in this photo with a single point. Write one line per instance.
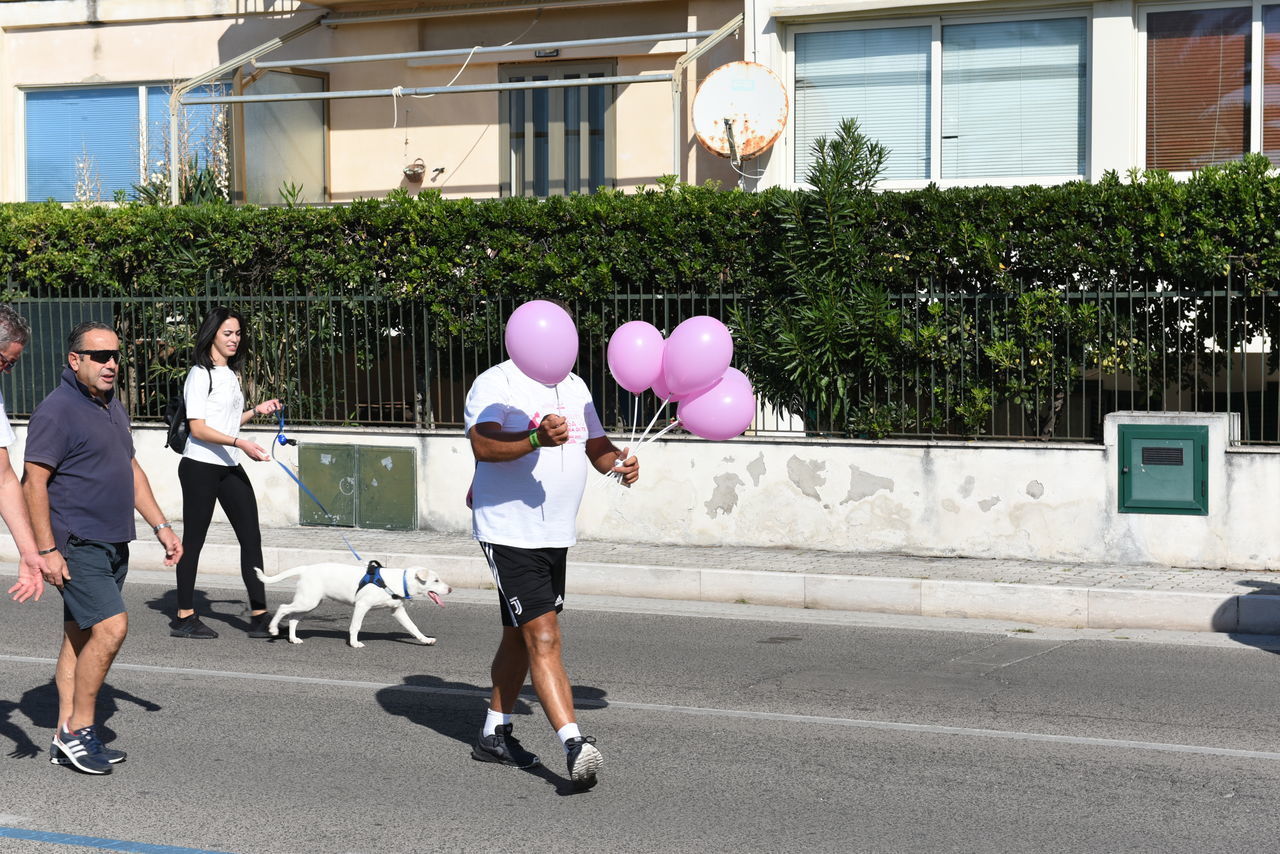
(258, 625)
(504, 748)
(584, 761)
(190, 627)
(83, 750)
(113, 756)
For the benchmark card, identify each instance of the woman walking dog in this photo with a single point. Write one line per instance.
(210, 469)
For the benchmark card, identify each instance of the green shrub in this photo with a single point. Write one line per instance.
(861, 311)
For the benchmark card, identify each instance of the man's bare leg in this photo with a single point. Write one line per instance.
(91, 659)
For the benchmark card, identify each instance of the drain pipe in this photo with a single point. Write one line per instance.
(183, 88)
(677, 85)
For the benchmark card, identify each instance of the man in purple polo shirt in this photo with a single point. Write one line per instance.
(82, 484)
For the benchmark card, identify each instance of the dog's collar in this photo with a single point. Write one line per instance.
(373, 575)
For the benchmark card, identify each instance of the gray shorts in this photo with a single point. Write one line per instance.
(97, 577)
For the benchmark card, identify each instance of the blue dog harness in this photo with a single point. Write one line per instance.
(373, 575)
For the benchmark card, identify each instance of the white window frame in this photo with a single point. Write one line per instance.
(1256, 74)
(936, 23)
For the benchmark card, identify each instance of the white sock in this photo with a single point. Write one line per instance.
(567, 732)
(493, 720)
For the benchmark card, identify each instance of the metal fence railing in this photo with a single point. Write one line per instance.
(1051, 363)
(1030, 363)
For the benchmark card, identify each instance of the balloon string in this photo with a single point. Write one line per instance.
(635, 416)
(560, 411)
(659, 434)
(655, 418)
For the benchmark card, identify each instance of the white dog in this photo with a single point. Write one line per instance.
(344, 583)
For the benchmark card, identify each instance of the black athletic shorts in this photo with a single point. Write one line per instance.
(530, 581)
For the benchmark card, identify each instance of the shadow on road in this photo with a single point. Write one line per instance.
(456, 710)
(1267, 642)
(236, 617)
(40, 706)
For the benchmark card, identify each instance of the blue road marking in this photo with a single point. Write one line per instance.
(100, 844)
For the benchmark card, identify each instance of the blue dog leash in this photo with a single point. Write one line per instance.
(281, 439)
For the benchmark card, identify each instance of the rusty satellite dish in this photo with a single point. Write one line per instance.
(740, 110)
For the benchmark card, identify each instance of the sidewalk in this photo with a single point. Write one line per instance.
(1066, 595)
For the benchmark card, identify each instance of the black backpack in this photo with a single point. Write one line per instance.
(175, 415)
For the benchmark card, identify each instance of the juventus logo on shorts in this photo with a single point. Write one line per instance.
(515, 605)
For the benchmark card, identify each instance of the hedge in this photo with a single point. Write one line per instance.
(1144, 230)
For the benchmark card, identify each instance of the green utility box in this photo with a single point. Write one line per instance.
(1164, 469)
(360, 486)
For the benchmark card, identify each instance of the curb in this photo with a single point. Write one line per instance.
(1043, 605)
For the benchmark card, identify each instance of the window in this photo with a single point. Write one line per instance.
(1007, 99)
(283, 146)
(1013, 99)
(1197, 87)
(1271, 83)
(98, 136)
(1212, 85)
(557, 141)
(881, 76)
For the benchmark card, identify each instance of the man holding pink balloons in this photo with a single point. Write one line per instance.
(691, 368)
(533, 429)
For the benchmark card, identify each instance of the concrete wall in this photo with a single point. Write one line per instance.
(1045, 502)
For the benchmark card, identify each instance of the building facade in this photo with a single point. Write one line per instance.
(983, 92)
(89, 87)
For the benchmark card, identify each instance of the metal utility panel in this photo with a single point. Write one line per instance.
(360, 486)
(388, 492)
(329, 472)
(1164, 469)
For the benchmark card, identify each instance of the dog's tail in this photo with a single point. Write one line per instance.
(279, 576)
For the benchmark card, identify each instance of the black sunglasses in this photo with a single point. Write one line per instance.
(100, 356)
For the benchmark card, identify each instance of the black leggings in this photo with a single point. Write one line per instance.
(202, 485)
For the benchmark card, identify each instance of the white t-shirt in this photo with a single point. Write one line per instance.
(220, 407)
(7, 436)
(531, 502)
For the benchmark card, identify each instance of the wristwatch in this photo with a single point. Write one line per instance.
(156, 528)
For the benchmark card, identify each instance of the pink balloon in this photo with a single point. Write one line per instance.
(697, 353)
(659, 386)
(661, 391)
(542, 340)
(722, 411)
(635, 355)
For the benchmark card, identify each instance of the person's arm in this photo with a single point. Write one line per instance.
(202, 431)
(607, 459)
(13, 509)
(144, 501)
(35, 489)
(491, 444)
(265, 408)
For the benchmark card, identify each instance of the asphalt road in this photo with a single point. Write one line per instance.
(724, 728)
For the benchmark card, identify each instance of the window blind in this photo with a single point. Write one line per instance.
(63, 126)
(1197, 87)
(881, 77)
(1271, 83)
(1013, 98)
